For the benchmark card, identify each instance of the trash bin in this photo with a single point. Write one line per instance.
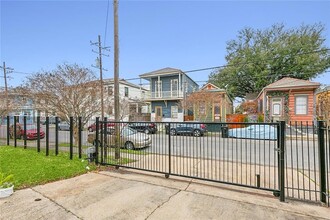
(167, 129)
(91, 154)
(224, 131)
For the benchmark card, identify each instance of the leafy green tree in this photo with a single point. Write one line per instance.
(260, 57)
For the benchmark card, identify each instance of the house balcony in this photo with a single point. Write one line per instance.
(165, 95)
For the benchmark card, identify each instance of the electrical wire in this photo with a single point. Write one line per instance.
(106, 24)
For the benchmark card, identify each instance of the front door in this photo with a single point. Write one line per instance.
(216, 112)
(276, 109)
(158, 113)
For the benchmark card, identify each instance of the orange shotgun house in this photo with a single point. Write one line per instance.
(288, 99)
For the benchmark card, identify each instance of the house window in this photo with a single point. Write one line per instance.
(202, 108)
(110, 110)
(174, 87)
(126, 91)
(110, 90)
(276, 106)
(132, 108)
(217, 109)
(174, 111)
(301, 106)
(158, 89)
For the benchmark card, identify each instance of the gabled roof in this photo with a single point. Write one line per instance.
(212, 87)
(288, 82)
(164, 71)
(323, 89)
(124, 82)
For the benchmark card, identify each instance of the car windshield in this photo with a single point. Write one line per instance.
(128, 131)
(31, 127)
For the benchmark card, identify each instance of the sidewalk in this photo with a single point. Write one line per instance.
(127, 194)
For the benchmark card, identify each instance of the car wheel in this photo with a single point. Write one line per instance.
(146, 131)
(90, 129)
(173, 132)
(197, 133)
(129, 145)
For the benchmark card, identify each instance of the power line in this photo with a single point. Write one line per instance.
(24, 73)
(237, 64)
(106, 24)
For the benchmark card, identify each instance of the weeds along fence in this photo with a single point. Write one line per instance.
(291, 160)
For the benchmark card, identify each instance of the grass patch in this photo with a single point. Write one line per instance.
(31, 168)
(111, 160)
(68, 145)
(137, 152)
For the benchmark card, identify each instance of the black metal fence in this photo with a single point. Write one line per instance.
(255, 158)
(46, 136)
(291, 160)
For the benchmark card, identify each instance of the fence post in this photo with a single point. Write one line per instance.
(47, 136)
(282, 161)
(24, 125)
(97, 123)
(322, 155)
(104, 145)
(79, 136)
(8, 130)
(38, 133)
(71, 138)
(15, 131)
(169, 150)
(56, 135)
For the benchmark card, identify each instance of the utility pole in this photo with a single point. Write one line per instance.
(99, 66)
(5, 69)
(116, 76)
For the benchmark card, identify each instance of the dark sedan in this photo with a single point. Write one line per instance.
(146, 127)
(188, 128)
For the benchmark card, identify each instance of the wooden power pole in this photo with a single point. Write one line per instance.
(116, 76)
(101, 78)
(6, 85)
(99, 66)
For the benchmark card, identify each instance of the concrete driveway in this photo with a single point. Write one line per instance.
(136, 195)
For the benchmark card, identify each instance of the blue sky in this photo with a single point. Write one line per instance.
(38, 35)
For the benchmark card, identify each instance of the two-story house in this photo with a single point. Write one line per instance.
(169, 88)
(17, 102)
(132, 103)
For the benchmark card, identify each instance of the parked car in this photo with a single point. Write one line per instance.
(194, 128)
(92, 127)
(31, 132)
(262, 131)
(64, 126)
(146, 127)
(51, 120)
(129, 138)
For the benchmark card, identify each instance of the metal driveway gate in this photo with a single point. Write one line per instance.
(252, 158)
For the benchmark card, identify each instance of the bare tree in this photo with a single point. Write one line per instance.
(127, 107)
(69, 91)
(200, 103)
(323, 106)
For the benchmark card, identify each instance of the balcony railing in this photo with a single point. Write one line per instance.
(167, 95)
